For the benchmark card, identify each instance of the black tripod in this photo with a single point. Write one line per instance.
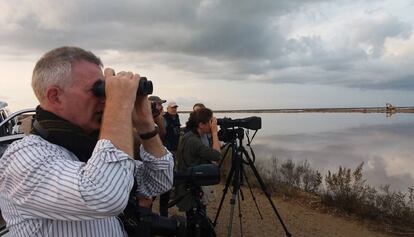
(240, 156)
(198, 223)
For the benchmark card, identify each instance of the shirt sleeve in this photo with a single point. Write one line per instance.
(43, 182)
(153, 175)
(202, 151)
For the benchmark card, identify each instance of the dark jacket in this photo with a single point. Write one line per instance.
(172, 128)
(191, 152)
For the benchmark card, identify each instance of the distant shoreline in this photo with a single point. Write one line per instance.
(387, 110)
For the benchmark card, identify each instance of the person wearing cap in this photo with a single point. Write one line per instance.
(172, 136)
(157, 113)
(158, 102)
(172, 127)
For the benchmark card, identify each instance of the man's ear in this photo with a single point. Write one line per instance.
(53, 94)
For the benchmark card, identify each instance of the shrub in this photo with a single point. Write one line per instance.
(345, 189)
(348, 191)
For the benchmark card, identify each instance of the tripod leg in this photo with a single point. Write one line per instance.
(252, 194)
(264, 189)
(226, 187)
(198, 223)
(232, 202)
(236, 188)
(225, 153)
(240, 216)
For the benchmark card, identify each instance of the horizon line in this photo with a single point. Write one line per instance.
(388, 110)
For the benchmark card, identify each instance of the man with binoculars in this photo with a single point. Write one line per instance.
(73, 174)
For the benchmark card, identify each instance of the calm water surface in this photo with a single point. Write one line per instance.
(330, 140)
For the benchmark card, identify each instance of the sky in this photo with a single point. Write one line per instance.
(233, 54)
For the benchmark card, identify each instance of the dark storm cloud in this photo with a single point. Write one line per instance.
(403, 83)
(231, 40)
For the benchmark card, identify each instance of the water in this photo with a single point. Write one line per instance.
(330, 140)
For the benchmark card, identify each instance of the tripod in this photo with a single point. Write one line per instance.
(198, 223)
(240, 156)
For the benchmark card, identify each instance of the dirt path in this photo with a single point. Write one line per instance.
(300, 220)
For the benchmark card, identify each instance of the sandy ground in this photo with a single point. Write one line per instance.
(299, 218)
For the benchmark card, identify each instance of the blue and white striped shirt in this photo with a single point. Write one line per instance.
(46, 191)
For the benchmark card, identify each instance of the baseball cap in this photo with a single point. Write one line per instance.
(172, 104)
(156, 99)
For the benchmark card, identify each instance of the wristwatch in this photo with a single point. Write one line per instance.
(148, 135)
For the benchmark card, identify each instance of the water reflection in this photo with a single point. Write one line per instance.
(328, 141)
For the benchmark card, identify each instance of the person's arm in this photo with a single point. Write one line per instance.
(144, 123)
(201, 151)
(160, 122)
(153, 175)
(214, 134)
(120, 93)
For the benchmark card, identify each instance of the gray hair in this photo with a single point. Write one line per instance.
(55, 68)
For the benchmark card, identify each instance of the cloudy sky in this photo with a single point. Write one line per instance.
(228, 54)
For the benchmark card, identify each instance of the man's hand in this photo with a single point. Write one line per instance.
(214, 135)
(144, 123)
(154, 109)
(142, 115)
(120, 90)
(145, 202)
(213, 125)
(159, 121)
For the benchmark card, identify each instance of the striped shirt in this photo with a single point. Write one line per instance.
(46, 191)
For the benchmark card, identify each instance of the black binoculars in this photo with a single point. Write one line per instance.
(144, 88)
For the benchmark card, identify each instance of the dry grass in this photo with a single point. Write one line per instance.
(344, 191)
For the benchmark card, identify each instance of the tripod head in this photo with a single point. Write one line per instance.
(229, 135)
(233, 137)
(232, 129)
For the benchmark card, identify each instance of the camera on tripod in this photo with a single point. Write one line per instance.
(253, 123)
(140, 221)
(232, 133)
(201, 175)
(233, 128)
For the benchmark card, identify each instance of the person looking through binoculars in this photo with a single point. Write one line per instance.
(192, 152)
(73, 174)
